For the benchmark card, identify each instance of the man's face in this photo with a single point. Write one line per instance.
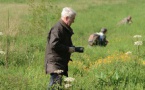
(70, 20)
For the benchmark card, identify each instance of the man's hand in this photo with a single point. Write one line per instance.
(71, 49)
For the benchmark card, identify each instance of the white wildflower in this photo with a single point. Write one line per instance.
(128, 53)
(58, 71)
(69, 79)
(138, 43)
(1, 33)
(137, 36)
(2, 52)
(67, 86)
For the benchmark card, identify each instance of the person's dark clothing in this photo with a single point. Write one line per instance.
(102, 42)
(55, 79)
(58, 43)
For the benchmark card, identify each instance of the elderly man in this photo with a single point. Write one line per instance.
(59, 48)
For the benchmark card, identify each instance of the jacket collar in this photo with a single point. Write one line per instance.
(66, 26)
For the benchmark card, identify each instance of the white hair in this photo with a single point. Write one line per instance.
(68, 12)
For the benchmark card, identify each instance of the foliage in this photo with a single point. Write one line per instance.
(42, 16)
(101, 68)
(13, 1)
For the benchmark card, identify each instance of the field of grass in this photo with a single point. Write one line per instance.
(25, 24)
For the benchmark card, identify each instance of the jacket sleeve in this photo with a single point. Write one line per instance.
(55, 38)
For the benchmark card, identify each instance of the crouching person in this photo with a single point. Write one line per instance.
(102, 37)
(127, 20)
(98, 38)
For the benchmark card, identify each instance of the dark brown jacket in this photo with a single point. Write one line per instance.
(58, 43)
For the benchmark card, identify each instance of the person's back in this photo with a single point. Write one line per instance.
(98, 38)
(127, 20)
(102, 37)
(93, 39)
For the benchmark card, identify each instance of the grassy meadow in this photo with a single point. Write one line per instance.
(118, 66)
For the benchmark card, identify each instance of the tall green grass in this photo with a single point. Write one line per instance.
(27, 38)
(13, 1)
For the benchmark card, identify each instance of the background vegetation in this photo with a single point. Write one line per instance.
(25, 24)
